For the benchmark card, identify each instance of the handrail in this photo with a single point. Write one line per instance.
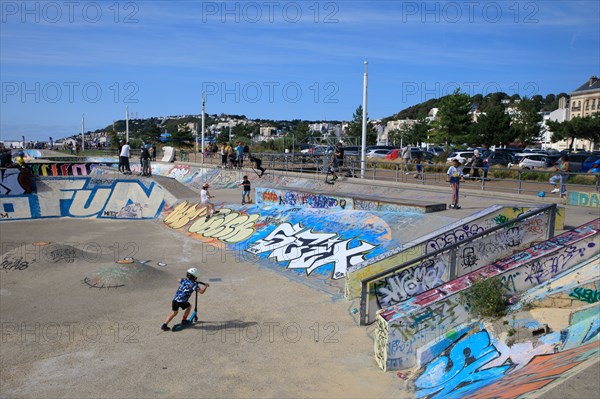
(453, 247)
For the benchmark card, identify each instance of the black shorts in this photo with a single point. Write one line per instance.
(176, 305)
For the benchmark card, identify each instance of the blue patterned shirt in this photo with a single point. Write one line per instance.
(185, 290)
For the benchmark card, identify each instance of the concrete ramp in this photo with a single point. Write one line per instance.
(312, 246)
(404, 328)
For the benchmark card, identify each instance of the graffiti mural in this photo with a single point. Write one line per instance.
(269, 196)
(413, 279)
(585, 295)
(591, 200)
(419, 319)
(304, 249)
(454, 232)
(13, 181)
(82, 197)
(315, 242)
(458, 369)
(227, 226)
(478, 365)
(410, 282)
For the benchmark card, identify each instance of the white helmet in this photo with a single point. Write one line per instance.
(194, 272)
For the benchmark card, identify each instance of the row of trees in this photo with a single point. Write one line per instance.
(454, 125)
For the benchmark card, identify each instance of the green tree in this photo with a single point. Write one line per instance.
(182, 137)
(492, 127)
(355, 128)
(302, 133)
(526, 126)
(453, 120)
(587, 128)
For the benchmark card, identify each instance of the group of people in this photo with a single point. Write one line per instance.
(233, 157)
(147, 154)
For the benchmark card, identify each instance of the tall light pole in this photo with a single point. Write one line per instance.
(127, 124)
(202, 135)
(363, 158)
(82, 130)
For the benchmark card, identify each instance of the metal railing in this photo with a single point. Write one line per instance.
(509, 180)
(452, 249)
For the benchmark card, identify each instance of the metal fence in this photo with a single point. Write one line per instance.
(509, 180)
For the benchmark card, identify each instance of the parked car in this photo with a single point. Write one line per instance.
(500, 158)
(531, 160)
(462, 156)
(589, 162)
(436, 150)
(317, 150)
(381, 147)
(425, 155)
(377, 153)
(352, 150)
(576, 161)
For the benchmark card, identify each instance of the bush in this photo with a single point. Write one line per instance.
(486, 298)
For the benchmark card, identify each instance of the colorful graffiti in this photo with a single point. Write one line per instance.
(585, 295)
(416, 321)
(441, 238)
(411, 282)
(63, 169)
(14, 181)
(457, 370)
(478, 365)
(304, 249)
(584, 199)
(415, 278)
(305, 241)
(226, 226)
(268, 196)
(80, 197)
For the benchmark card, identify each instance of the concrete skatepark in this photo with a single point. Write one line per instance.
(84, 292)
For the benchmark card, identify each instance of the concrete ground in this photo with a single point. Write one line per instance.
(75, 323)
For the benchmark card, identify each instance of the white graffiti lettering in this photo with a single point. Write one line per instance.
(304, 249)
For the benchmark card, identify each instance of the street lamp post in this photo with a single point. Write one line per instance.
(363, 160)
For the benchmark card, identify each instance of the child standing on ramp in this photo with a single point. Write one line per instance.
(246, 191)
(205, 200)
(455, 176)
(187, 286)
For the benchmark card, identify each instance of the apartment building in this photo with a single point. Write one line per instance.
(585, 100)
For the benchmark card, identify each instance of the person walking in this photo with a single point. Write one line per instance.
(406, 156)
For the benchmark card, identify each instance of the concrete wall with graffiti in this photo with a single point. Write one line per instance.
(86, 197)
(474, 361)
(439, 239)
(303, 199)
(591, 200)
(312, 199)
(319, 243)
(404, 328)
(422, 275)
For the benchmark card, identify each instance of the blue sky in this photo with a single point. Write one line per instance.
(277, 59)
